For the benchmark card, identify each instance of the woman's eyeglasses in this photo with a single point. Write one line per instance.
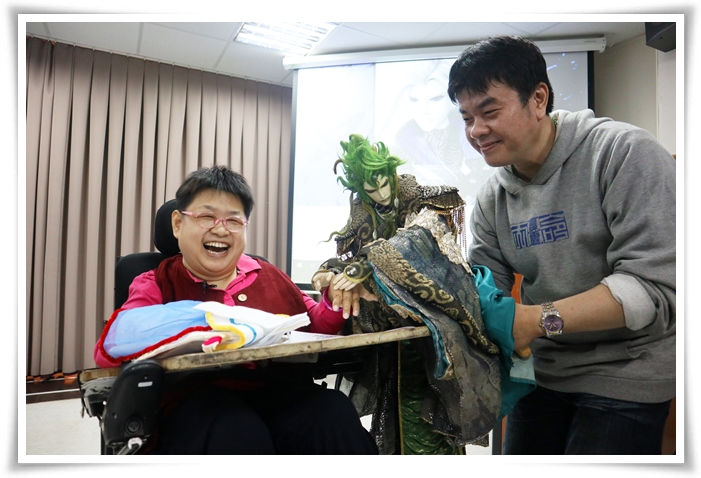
(207, 220)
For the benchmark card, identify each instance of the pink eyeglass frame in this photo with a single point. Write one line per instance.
(196, 216)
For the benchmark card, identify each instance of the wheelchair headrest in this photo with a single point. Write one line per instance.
(163, 236)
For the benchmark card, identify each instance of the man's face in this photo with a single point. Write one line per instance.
(381, 192)
(211, 254)
(500, 127)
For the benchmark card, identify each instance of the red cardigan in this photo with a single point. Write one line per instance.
(272, 291)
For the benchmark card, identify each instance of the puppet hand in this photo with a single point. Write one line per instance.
(321, 280)
(341, 282)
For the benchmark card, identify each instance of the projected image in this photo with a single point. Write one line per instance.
(330, 101)
(419, 123)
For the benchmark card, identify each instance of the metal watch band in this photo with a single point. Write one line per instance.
(549, 309)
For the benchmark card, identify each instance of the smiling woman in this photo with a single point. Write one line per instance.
(205, 413)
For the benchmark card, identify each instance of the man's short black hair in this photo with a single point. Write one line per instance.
(511, 61)
(218, 178)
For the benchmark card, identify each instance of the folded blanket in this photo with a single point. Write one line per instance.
(189, 326)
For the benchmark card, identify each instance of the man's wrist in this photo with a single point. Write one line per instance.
(526, 325)
(535, 314)
(530, 320)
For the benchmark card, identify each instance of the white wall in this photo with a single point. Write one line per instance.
(667, 100)
(636, 84)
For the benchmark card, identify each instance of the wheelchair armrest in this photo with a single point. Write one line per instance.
(131, 409)
(94, 395)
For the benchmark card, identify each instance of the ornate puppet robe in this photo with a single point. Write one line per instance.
(429, 418)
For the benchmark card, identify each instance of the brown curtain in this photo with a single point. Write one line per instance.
(109, 139)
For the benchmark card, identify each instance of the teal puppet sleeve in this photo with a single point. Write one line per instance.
(518, 377)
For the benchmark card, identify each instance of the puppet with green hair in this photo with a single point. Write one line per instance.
(398, 385)
(406, 244)
(365, 165)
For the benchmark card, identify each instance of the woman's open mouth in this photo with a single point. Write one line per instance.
(218, 248)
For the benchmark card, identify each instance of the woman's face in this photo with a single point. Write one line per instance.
(211, 254)
(381, 192)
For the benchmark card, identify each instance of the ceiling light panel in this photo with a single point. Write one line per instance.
(288, 37)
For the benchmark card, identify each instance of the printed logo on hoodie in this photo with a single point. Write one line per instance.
(540, 230)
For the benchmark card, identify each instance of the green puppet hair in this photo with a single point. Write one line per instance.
(363, 162)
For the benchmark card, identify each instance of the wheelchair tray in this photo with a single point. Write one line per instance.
(317, 343)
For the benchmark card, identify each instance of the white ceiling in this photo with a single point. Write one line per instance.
(210, 46)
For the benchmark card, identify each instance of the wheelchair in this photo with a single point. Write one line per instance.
(127, 405)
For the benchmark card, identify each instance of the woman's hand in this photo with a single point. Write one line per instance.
(348, 299)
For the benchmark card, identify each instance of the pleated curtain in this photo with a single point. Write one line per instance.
(109, 138)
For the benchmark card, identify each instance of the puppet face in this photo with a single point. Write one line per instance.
(381, 192)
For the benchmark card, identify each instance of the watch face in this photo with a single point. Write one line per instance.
(552, 323)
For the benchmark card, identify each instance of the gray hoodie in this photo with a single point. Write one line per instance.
(602, 209)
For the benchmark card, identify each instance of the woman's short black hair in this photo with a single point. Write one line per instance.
(218, 178)
(511, 61)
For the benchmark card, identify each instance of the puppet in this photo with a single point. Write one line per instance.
(405, 243)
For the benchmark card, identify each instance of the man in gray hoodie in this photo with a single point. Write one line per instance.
(584, 209)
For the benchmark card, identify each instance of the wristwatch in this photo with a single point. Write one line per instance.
(551, 320)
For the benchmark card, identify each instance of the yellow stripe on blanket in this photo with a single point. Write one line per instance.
(236, 338)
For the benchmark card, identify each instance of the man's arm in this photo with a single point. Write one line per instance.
(590, 311)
